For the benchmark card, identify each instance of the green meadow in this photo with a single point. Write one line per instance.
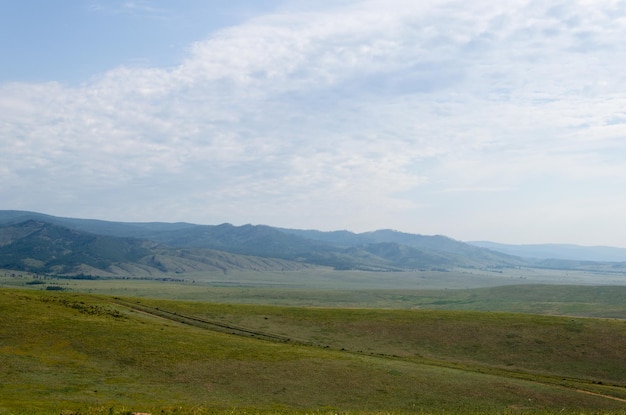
(517, 290)
(216, 347)
(521, 291)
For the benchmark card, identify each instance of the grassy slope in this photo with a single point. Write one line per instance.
(582, 348)
(63, 352)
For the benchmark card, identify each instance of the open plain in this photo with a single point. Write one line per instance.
(233, 344)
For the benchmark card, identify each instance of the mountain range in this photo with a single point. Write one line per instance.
(36, 242)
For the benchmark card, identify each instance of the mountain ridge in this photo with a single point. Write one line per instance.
(124, 248)
(42, 247)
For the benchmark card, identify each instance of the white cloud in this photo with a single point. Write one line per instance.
(349, 115)
(133, 8)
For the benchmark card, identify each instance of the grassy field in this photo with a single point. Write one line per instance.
(547, 292)
(70, 353)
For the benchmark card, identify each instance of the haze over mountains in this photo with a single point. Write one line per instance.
(558, 251)
(42, 243)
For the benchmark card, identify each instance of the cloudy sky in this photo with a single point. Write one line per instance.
(479, 120)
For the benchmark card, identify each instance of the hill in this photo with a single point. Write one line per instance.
(139, 230)
(411, 250)
(376, 251)
(76, 353)
(42, 247)
(155, 247)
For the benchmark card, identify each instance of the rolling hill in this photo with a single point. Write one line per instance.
(42, 247)
(71, 353)
(380, 250)
(68, 246)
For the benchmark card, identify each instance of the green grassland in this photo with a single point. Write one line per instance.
(70, 353)
(545, 292)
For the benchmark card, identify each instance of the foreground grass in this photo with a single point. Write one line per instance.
(583, 348)
(77, 353)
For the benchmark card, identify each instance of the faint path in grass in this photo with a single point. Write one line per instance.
(204, 323)
(615, 398)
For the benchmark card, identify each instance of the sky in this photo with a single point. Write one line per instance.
(478, 120)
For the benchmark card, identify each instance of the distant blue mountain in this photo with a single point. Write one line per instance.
(382, 250)
(44, 243)
(557, 251)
